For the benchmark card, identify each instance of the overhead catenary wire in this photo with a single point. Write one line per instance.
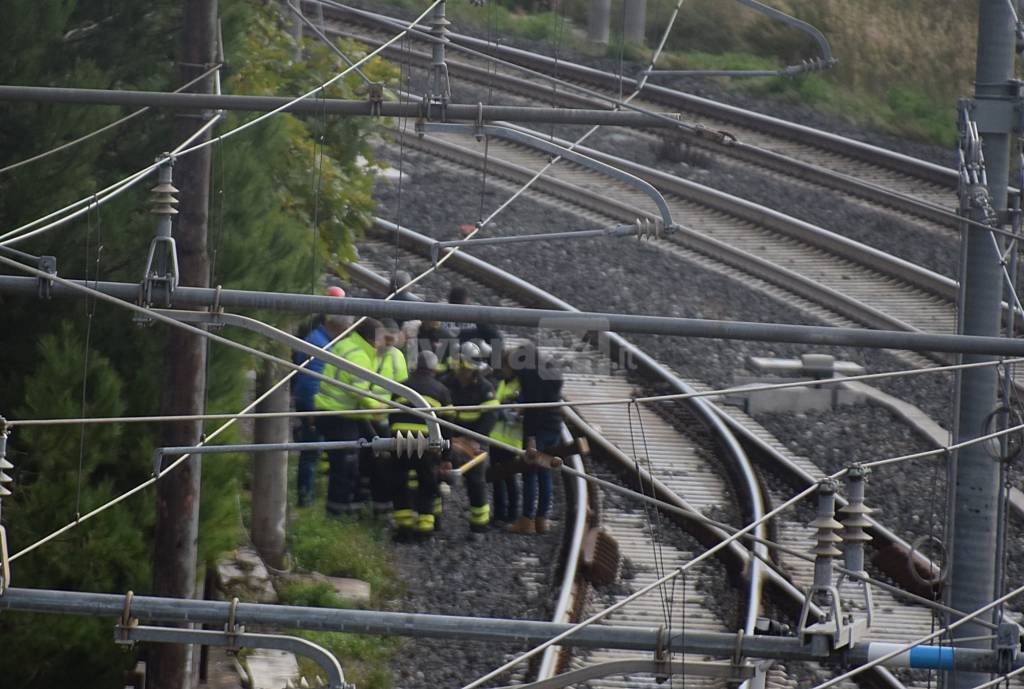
(102, 197)
(650, 399)
(156, 315)
(104, 128)
(596, 617)
(727, 137)
(330, 44)
(141, 486)
(187, 148)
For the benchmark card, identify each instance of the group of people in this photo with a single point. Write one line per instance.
(452, 365)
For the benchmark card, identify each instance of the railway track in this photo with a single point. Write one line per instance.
(856, 284)
(677, 471)
(915, 189)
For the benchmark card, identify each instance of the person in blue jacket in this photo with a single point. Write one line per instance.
(304, 389)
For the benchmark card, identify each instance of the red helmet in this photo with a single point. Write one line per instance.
(334, 291)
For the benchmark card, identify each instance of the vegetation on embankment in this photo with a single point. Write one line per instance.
(902, 63)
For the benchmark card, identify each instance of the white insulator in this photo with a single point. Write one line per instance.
(648, 229)
(411, 444)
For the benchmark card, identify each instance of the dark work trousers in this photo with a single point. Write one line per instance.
(343, 478)
(506, 489)
(414, 488)
(306, 432)
(375, 472)
(476, 489)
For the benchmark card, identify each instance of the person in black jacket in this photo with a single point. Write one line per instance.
(414, 479)
(540, 380)
(469, 387)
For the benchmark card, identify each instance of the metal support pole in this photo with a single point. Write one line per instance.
(580, 321)
(332, 106)
(414, 444)
(634, 29)
(598, 21)
(270, 473)
(643, 228)
(148, 609)
(974, 572)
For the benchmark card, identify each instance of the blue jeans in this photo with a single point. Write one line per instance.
(343, 478)
(307, 433)
(537, 503)
(506, 490)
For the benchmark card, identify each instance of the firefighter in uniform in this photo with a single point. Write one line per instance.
(343, 478)
(414, 479)
(469, 387)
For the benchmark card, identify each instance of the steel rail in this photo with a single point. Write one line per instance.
(573, 550)
(852, 148)
(703, 138)
(531, 294)
(878, 193)
(749, 485)
(721, 251)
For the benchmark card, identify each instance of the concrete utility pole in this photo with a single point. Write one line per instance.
(177, 496)
(635, 21)
(598, 21)
(976, 474)
(270, 472)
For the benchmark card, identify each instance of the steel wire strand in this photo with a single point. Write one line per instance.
(186, 148)
(249, 350)
(327, 41)
(104, 128)
(101, 197)
(651, 399)
(734, 142)
(596, 617)
(773, 545)
(252, 405)
(1001, 678)
(210, 336)
(611, 100)
(366, 58)
(920, 640)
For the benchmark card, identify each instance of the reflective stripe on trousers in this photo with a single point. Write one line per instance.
(480, 516)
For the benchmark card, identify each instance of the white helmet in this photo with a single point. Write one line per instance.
(470, 356)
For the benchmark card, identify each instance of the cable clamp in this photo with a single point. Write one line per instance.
(122, 632)
(375, 95)
(47, 264)
(217, 309)
(479, 120)
(232, 629)
(737, 652)
(662, 667)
